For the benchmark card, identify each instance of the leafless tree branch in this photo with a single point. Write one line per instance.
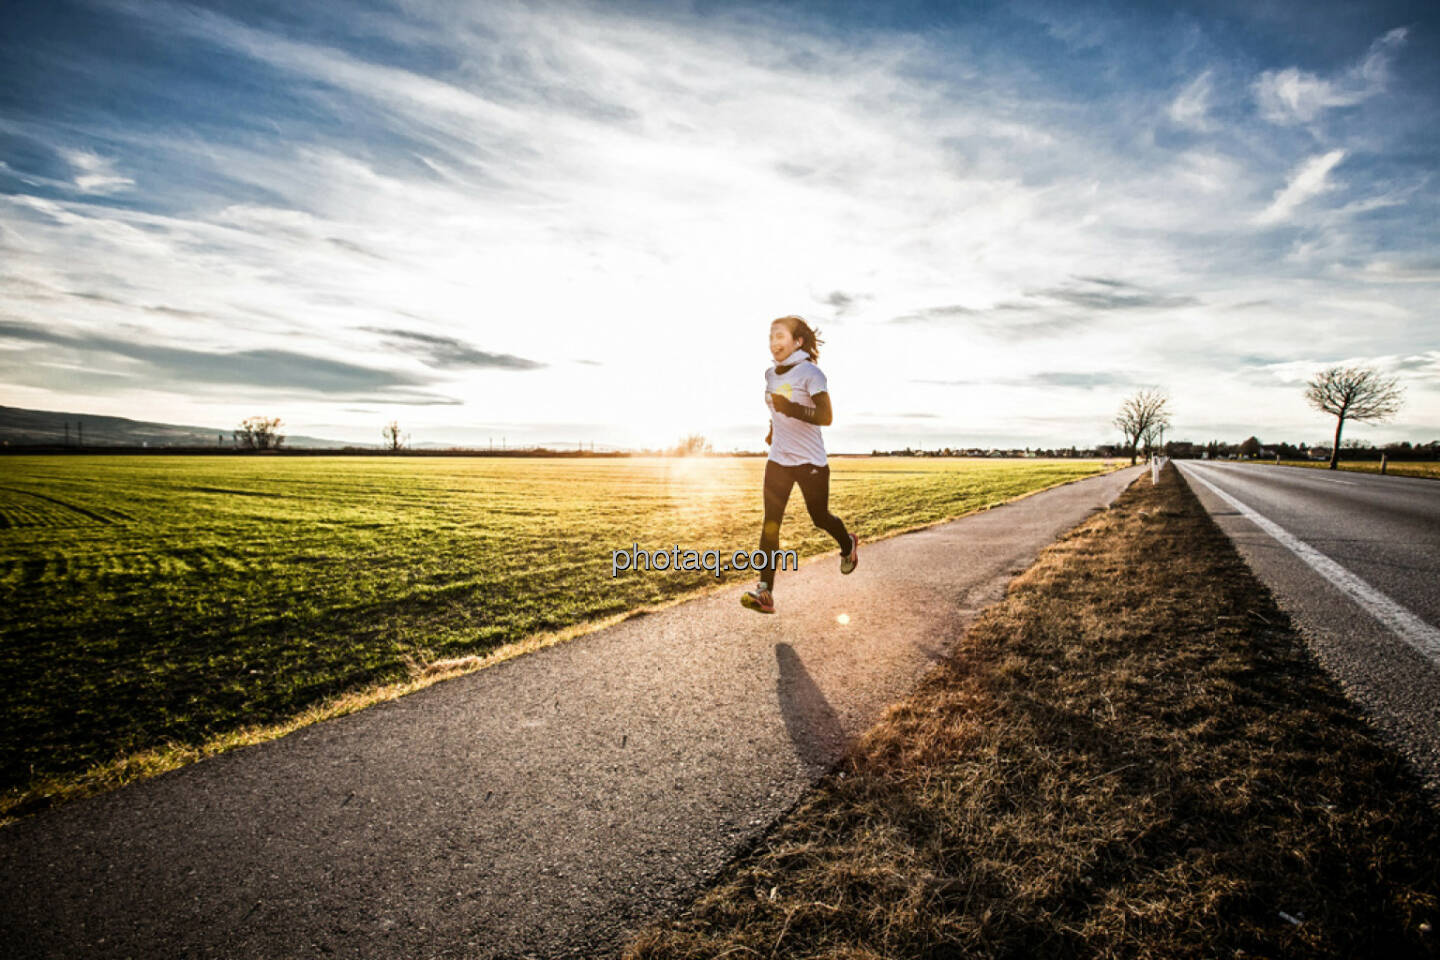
(1353, 393)
(1144, 415)
(259, 433)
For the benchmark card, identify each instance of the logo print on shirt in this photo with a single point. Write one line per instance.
(784, 390)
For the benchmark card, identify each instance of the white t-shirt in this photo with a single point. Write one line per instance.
(792, 441)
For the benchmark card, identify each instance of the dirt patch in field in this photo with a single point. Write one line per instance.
(1133, 754)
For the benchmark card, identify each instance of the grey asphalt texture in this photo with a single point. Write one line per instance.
(548, 806)
(1385, 530)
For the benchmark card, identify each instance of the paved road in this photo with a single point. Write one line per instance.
(543, 807)
(1355, 560)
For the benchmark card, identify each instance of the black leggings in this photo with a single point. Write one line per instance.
(815, 488)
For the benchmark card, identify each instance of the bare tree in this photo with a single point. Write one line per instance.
(1153, 440)
(694, 445)
(1144, 415)
(394, 439)
(1353, 393)
(259, 433)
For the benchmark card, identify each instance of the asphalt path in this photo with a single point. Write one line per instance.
(1354, 559)
(547, 806)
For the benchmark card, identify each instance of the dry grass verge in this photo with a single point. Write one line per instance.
(1133, 754)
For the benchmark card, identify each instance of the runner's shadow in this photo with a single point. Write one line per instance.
(813, 725)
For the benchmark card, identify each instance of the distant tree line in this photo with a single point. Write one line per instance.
(1048, 453)
(1254, 447)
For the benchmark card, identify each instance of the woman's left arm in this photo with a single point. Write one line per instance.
(820, 414)
(822, 411)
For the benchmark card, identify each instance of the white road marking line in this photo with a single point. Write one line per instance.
(1401, 622)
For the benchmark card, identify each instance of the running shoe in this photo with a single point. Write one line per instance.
(760, 600)
(848, 564)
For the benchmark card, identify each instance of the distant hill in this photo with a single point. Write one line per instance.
(25, 427)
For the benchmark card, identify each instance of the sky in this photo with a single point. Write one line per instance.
(573, 223)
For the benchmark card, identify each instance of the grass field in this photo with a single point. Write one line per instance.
(160, 603)
(1413, 468)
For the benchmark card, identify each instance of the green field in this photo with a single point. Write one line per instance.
(173, 600)
(1403, 468)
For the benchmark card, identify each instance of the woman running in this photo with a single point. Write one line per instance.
(796, 393)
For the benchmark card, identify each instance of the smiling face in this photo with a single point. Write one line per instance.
(782, 342)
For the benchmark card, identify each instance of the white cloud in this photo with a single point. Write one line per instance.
(1423, 367)
(1191, 107)
(1375, 68)
(1210, 172)
(257, 217)
(96, 174)
(1308, 180)
(1075, 27)
(1293, 95)
(1392, 270)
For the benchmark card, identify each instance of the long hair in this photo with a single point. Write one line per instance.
(802, 331)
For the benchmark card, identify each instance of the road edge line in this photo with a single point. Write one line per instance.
(1400, 621)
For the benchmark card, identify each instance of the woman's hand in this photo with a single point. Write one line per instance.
(819, 414)
(781, 404)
